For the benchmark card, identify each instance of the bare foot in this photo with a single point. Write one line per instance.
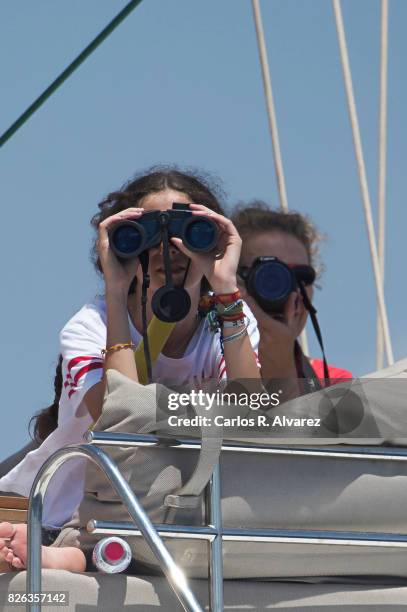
(15, 551)
(15, 545)
(6, 533)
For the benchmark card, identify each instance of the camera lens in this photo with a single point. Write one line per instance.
(273, 281)
(127, 239)
(200, 234)
(171, 304)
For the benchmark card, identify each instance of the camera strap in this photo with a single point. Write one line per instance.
(144, 261)
(313, 314)
(169, 303)
(167, 259)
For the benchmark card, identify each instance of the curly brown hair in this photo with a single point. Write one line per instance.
(257, 217)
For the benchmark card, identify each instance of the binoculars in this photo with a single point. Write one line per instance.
(270, 281)
(130, 238)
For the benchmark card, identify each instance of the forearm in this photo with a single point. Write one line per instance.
(118, 332)
(279, 365)
(240, 359)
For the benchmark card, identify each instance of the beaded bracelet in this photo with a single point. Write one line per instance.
(227, 298)
(220, 312)
(215, 320)
(234, 336)
(237, 306)
(118, 347)
(207, 302)
(235, 317)
(233, 324)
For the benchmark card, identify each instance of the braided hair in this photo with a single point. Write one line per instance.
(46, 420)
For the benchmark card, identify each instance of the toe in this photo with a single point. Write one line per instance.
(7, 530)
(17, 563)
(9, 556)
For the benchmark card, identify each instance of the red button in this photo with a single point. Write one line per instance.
(113, 551)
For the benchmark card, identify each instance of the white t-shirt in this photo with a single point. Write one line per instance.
(82, 340)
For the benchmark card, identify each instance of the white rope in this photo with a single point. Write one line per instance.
(381, 187)
(268, 92)
(362, 178)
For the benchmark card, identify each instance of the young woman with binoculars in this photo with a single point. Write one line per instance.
(104, 333)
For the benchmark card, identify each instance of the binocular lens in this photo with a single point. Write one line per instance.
(200, 235)
(273, 281)
(127, 239)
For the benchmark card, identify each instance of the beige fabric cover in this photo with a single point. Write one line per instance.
(258, 491)
(104, 593)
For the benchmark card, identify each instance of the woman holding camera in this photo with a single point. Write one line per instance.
(291, 238)
(105, 332)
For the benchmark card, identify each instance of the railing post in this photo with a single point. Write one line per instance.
(214, 519)
(174, 575)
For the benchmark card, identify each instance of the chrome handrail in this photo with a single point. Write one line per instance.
(240, 534)
(102, 438)
(213, 532)
(174, 575)
(214, 519)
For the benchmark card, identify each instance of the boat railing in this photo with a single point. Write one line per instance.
(213, 531)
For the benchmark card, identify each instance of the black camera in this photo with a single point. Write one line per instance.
(270, 281)
(130, 238)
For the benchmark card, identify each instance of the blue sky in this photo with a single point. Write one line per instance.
(179, 82)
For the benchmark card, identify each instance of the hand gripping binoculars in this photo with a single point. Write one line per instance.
(270, 281)
(130, 238)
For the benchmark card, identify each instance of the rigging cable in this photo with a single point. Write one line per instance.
(68, 71)
(381, 187)
(268, 92)
(362, 177)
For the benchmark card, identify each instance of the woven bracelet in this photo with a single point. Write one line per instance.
(234, 336)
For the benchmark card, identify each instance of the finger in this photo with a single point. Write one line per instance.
(253, 305)
(181, 247)
(223, 222)
(127, 214)
(291, 308)
(199, 207)
(124, 214)
(271, 321)
(131, 266)
(220, 248)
